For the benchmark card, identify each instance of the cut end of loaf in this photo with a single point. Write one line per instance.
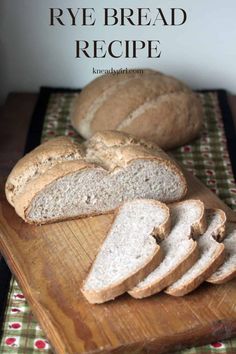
(96, 191)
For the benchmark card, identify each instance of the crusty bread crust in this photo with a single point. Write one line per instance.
(170, 277)
(85, 99)
(151, 105)
(24, 199)
(106, 86)
(40, 160)
(130, 281)
(226, 276)
(190, 286)
(221, 279)
(110, 293)
(220, 232)
(165, 106)
(186, 263)
(122, 148)
(108, 150)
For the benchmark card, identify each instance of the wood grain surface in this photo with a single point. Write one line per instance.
(50, 263)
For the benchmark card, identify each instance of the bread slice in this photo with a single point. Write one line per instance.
(181, 251)
(130, 250)
(211, 256)
(61, 180)
(227, 270)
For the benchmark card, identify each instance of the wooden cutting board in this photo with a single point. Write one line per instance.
(50, 263)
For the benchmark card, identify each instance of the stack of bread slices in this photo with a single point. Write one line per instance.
(150, 246)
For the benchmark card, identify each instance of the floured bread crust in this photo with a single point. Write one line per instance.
(149, 105)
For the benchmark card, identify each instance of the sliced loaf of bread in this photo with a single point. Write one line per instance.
(181, 251)
(211, 256)
(130, 250)
(61, 180)
(227, 270)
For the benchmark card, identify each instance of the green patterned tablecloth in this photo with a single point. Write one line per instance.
(206, 157)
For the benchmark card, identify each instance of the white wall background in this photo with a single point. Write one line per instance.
(202, 52)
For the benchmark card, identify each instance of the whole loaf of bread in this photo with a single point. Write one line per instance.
(149, 105)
